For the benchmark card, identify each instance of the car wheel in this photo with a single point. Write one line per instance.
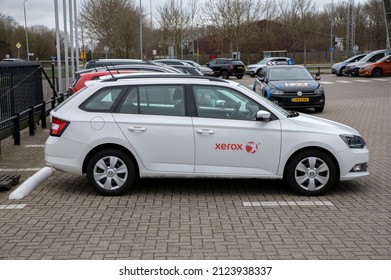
(111, 172)
(239, 77)
(259, 72)
(341, 72)
(377, 72)
(311, 172)
(319, 109)
(225, 75)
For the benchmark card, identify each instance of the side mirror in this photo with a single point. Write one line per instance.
(263, 116)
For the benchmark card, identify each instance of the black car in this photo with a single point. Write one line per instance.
(226, 67)
(290, 86)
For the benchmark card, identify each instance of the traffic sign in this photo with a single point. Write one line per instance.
(18, 45)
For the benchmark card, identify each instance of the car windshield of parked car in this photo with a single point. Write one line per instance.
(266, 100)
(289, 73)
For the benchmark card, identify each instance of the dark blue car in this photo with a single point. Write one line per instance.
(291, 87)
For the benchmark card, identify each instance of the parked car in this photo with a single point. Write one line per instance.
(80, 82)
(353, 68)
(376, 69)
(188, 69)
(159, 126)
(290, 86)
(339, 68)
(226, 67)
(204, 70)
(112, 61)
(256, 69)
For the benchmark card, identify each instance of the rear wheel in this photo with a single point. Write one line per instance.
(311, 172)
(111, 172)
(239, 76)
(377, 72)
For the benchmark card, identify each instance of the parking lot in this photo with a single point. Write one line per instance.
(210, 219)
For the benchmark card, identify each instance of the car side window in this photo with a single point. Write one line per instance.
(103, 100)
(167, 100)
(223, 103)
(376, 57)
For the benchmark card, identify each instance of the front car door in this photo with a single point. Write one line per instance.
(228, 139)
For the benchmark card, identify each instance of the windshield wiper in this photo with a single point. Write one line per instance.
(293, 114)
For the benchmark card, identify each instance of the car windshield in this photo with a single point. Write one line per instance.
(266, 100)
(289, 73)
(263, 61)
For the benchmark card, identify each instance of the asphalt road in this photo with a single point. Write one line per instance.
(210, 219)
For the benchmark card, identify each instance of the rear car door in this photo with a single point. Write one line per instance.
(153, 119)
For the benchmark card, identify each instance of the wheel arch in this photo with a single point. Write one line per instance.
(109, 146)
(333, 158)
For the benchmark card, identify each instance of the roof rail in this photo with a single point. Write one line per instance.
(163, 75)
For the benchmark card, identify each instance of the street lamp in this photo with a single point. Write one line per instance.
(141, 33)
(25, 28)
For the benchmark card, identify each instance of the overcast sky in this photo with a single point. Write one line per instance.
(41, 12)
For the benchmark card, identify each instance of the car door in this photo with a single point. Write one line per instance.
(228, 139)
(153, 119)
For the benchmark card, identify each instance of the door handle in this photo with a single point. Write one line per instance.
(137, 128)
(205, 131)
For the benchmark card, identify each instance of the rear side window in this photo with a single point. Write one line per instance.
(166, 100)
(103, 100)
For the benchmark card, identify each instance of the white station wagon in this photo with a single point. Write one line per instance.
(121, 129)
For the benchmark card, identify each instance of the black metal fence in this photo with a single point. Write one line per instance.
(21, 99)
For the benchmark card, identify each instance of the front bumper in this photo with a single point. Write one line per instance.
(292, 101)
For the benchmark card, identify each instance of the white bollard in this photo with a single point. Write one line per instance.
(31, 183)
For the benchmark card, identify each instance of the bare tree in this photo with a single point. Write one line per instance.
(173, 21)
(113, 23)
(231, 19)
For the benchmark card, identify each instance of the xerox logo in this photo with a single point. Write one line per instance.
(227, 147)
(251, 147)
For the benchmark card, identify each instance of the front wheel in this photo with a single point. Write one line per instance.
(311, 172)
(377, 72)
(239, 76)
(319, 109)
(111, 172)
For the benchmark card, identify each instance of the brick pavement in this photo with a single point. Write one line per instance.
(208, 219)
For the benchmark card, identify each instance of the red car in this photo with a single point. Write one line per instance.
(79, 83)
(376, 69)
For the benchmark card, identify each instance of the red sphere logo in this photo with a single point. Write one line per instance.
(251, 147)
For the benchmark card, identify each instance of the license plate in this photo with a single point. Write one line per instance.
(240, 67)
(302, 99)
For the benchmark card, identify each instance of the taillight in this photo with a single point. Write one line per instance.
(58, 127)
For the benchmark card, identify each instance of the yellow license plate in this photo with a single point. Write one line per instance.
(302, 99)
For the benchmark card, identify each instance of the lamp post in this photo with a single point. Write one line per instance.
(25, 28)
(141, 33)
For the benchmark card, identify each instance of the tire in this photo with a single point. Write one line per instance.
(311, 172)
(225, 75)
(111, 172)
(259, 72)
(341, 72)
(377, 72)
(239, 77)
(319, 109)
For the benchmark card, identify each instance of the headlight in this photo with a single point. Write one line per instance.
(353, 141)
(319, 90)
(276, 91)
